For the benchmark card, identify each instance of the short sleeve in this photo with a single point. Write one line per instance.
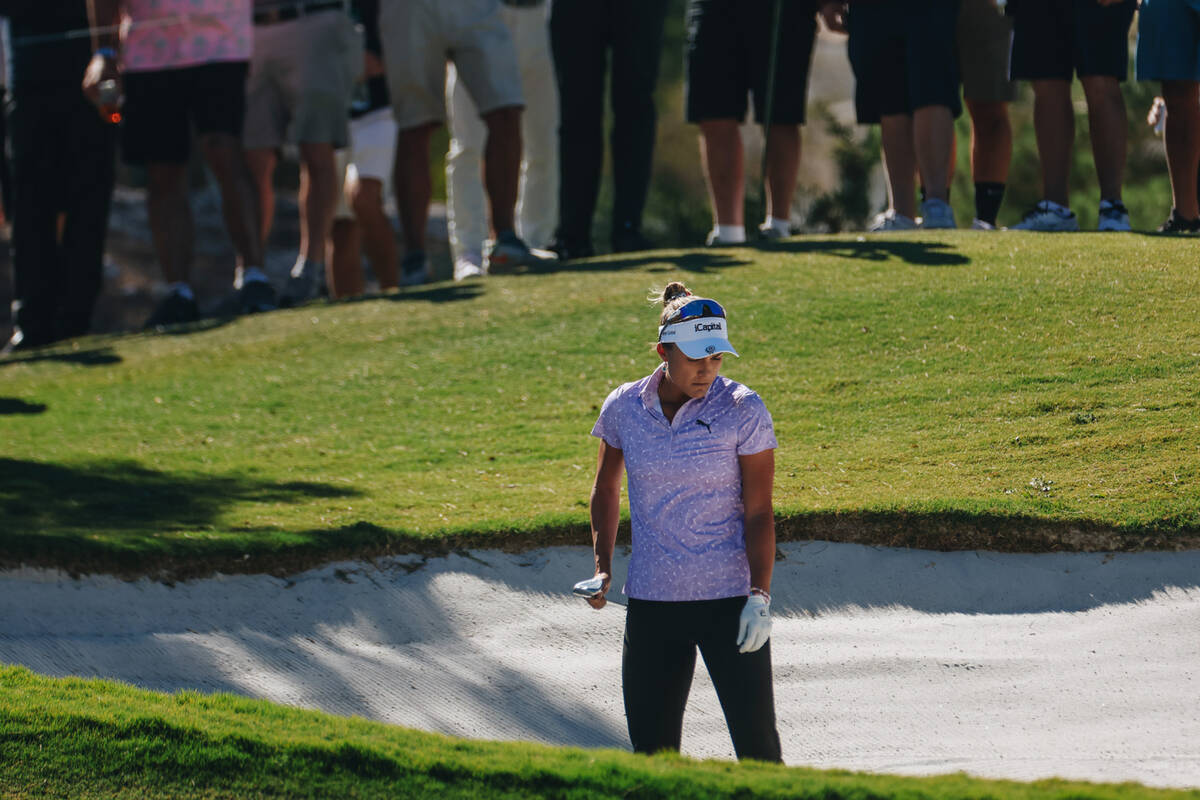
(606, 426)
(756, 431)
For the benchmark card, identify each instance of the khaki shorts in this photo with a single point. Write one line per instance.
(371, 154)
(301, 77)
(420, 35)
(984, 42)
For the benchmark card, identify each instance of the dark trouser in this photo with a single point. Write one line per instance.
(657, 662)
(63, 161)
(582, 34)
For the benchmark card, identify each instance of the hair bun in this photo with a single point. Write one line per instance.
(673, 290)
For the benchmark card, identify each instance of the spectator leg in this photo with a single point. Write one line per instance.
(261, 162)
(414, 188)
(1183, 144)
(537, 203)
(317, 198)
(724, 169)
(239, 197)
(899, 162)
(933, 141)
(1054, 125)
(1108, 128)
(991, 141)
(466, 214)
(171, 225)
(637, 50)
(783, 169)
(345, 259)
(378, 238)
(502, 166)
(578, 39)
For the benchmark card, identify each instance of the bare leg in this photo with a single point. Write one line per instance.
(318, 196)
(991, 141)
(345, 259)
(1183, 144)
(378, 238)
(899, 162)
(414, 187)
(1054, 124)
(239, 197)
(171, 225)
(783, 167)
(261, 162)
(1108, 126)
(724, 168)
(933, 141)
(502, 166)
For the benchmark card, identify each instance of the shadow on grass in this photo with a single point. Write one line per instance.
(15, 405)
(120, 516)
(90, 357)
(698, 262)
(925, 254)
(445, 293)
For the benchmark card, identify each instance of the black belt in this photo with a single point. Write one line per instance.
(285, 13)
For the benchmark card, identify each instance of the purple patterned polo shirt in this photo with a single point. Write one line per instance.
(685, 486)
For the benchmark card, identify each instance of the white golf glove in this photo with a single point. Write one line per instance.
(754, 627)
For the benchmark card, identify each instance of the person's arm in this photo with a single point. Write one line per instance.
(104, 16)
(605, 510)
(758, 482)
(833, 12)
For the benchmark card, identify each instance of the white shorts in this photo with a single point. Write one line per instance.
(371, 154)
(418, 38)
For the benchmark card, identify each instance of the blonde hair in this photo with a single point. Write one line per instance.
(673, 297)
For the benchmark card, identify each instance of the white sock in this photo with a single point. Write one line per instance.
(780, 225)
(730, 234)
(246, 275)
(299, 267)
(183, 290)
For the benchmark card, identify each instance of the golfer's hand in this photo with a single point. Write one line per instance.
(754, 627)
(598, 601)
(99, 69)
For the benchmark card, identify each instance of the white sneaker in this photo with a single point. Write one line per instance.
(1048, 216)
(1113, 217)
(468, 265)
(937, 214)
(891, 221)
(982, 225)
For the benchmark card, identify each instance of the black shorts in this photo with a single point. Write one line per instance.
(904, 58)
(728, 56)
(1057, 39)
(162, 106)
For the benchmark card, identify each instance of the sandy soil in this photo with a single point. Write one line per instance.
(1085, 666)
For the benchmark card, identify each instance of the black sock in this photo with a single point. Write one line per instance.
(988, 196)
(925, 197)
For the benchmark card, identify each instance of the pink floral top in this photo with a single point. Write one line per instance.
(166, 34)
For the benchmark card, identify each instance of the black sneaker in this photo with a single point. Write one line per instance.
(630, 240)
(300, 288)
(567, 250)
(256, 297)
(1177, 224)
(175, 309)
(414, 269)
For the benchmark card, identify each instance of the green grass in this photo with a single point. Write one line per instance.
(952, 390)
(98, 739)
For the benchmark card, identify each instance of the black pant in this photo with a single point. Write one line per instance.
(62, 158)
(657, 662)
(583, 33)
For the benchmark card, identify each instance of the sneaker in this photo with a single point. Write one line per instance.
(937, 214)
(468, 265)
(768, 232)
(302, 285)
(1048, 216)
(1177, 224)
(256, 297)
(414, 269)
(978, 224)
(890, 221)
(1113, 216)
(174, 309)
(508, 252)
(566, 250)
(630, 240)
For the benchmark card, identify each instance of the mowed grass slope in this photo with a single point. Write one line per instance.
(953, 389)
(98, 739)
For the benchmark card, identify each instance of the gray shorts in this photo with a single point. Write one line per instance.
(984, 42)
(418, 38)
(301, 77)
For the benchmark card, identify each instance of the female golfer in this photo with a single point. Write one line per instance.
(700, 453)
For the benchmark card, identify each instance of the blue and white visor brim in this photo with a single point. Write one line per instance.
(699, 338)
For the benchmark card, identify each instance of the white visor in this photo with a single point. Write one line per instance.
(699, 337)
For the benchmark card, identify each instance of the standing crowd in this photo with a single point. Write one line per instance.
(360, 86)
